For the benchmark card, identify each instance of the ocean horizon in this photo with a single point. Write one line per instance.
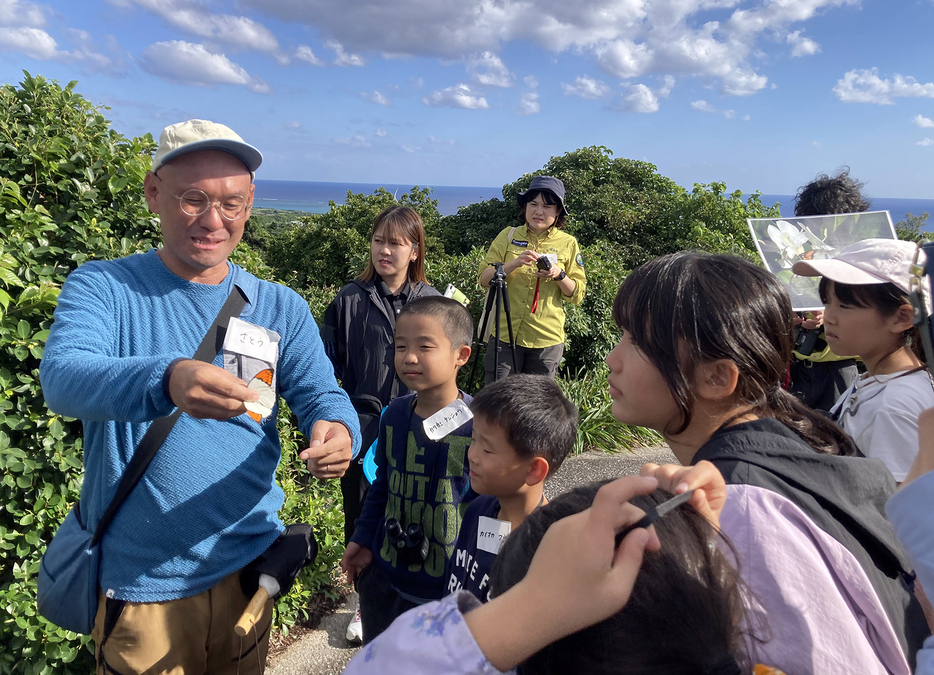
(316, 196)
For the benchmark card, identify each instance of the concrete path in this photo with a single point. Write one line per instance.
(324, 651)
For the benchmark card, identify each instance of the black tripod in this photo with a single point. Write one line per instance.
(498, 297)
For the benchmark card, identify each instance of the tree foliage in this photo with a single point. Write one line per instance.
(912, 228)
(70, 190)
(622, 201)
(329, 249)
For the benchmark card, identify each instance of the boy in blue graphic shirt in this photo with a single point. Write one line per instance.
(523, 428)
(409, 523)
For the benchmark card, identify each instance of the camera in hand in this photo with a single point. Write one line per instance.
(543, 263)
(805, 340)
(411, 543)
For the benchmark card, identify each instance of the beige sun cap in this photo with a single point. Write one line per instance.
(871, 261)
(179, 139)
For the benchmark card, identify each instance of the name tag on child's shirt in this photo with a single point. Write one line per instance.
(446, 420)
(491, 533)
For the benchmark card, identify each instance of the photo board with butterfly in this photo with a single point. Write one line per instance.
(783, 241)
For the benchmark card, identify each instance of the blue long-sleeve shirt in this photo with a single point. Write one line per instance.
(417, 480)
(207, 504)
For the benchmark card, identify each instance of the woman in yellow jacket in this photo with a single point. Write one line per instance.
(537, 295)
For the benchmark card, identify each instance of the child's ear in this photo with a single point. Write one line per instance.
(903, 319)
(538, 471)
(463, 355)
(716, 380)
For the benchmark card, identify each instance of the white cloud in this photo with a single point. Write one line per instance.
(529, 105)
(187, 63)
(292, 125)
(377, 98)
(458, 96)
(356, 141)
(341, 57)
(410, 148)
(926, 142)
(667, 86)
(865, 86)
(531, 81)
(746, 118)
(487, 69)
(441, 141)
(801, 46)
(586, 87)
(713, 40)
(817, 145)
(237, 32)
(924, 122)
(639, 98)
(703, 106)
(381, 133)
(18, 14)
(32, 42)
(36, 43)
(304, 53)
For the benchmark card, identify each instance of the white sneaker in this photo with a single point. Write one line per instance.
(355, 628)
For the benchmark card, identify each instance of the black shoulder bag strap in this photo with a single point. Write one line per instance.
(159, 430)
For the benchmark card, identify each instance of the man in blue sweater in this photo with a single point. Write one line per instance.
(119, 356)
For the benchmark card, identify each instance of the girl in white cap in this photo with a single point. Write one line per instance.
(867, 313)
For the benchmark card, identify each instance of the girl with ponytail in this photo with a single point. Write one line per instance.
(705, 343)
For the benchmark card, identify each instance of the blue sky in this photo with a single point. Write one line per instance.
(760, 94)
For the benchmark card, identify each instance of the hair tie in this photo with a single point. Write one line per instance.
(725, 666)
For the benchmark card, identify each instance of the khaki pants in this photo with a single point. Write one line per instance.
(191, 636)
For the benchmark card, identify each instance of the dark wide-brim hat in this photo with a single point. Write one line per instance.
(550, 183)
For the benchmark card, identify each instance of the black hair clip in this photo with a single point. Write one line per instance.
(655, 513)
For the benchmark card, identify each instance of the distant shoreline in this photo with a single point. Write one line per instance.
(311, 197)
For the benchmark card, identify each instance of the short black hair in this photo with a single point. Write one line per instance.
(454, 318)
(831, 194)
(538, 419)
(685, 614)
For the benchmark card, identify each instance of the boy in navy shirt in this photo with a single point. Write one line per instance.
(410, 519)
(523, 428)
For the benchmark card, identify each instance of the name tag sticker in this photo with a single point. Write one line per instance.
(517, 242)
(446, 420)
(491, 533)
(250, 340)
(553, 257)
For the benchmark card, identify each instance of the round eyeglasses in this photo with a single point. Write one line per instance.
(195, 202)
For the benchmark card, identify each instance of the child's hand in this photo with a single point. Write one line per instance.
(356, 558)
(577, 578)
(709, 496)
